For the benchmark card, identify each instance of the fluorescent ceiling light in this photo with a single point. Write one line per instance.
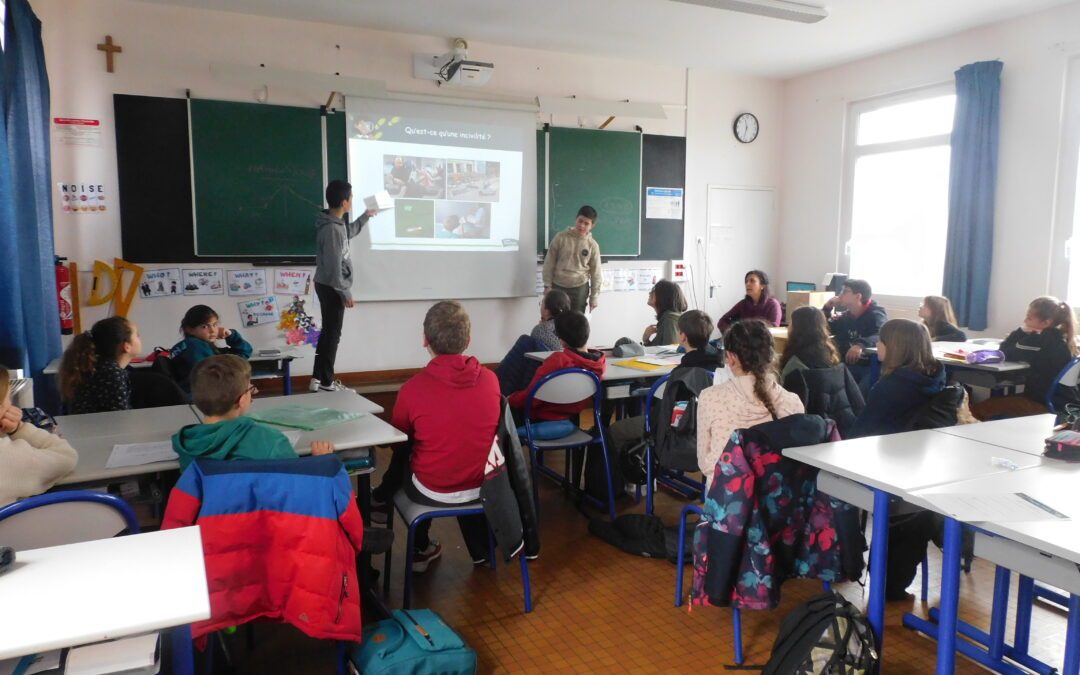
(590, 107)
(776, 9)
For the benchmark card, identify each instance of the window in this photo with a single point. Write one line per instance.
(896, 196)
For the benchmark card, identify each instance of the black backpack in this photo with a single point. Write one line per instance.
(826, 635)
(676, 446)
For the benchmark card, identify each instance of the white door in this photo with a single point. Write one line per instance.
(742, 237)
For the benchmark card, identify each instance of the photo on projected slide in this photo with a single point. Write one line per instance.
(414, 219)
(414, 177)
(472, 180)
(462, 220)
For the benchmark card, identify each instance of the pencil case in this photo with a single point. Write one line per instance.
(1064, 445)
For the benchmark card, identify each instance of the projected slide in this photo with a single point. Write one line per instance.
(456, 185)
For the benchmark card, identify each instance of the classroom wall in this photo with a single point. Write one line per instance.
(1035, 50)
(169, 49)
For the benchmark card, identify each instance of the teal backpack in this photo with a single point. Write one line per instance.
(412, 642)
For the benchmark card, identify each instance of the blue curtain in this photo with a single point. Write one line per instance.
(28, 307)
(972, 180)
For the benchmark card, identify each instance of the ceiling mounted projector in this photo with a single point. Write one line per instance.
(788, 10)
(453, 67)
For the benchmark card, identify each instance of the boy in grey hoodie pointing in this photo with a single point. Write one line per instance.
(333, 278)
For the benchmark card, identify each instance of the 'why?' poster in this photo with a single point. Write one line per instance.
(259, 311)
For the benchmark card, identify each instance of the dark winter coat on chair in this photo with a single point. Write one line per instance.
(829, 392)
(765, 521)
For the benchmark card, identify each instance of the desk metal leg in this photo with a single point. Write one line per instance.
(879, 555)
(998, 613)
(1072, 638)
(183, 655)
(950, 597)
(286, 372)
(1025, 596)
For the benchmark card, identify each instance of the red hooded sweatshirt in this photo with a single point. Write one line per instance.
(567, 358)
(449, 410)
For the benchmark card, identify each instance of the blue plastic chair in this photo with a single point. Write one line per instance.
(1069, 376)
(566, 386)
(676, 480)
(414, 514)
(66, 517)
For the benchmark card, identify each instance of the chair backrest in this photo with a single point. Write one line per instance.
(569, 385)
(1068, 377)
(70, 517)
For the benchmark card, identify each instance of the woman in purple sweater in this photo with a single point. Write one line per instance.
(758, 303)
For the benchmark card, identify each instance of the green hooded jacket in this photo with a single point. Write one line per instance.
(240, 438)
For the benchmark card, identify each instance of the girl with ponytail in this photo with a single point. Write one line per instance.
(1047, 342)
(92, 375)
(751, 396)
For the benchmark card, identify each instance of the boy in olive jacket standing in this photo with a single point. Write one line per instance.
(572, 263)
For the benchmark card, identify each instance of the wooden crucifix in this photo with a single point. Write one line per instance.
(109, 48)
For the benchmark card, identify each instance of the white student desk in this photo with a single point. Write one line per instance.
(895, 466)
(614, 374)
(1046, 550)
(94, 435)
(1023, 434)
(77, 594)
(282, 361)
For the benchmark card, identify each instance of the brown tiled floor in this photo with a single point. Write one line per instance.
(600, 610)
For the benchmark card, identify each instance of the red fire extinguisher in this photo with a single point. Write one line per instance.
(63, 297)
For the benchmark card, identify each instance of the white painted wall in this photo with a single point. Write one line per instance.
(1035, 50)
(169, 49)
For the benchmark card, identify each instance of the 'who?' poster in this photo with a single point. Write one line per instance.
(259, 311)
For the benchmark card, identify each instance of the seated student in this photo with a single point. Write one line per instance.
(201, 330)
(910, 377)
(811, 368)
(667, 300)
(1047, 342)
(221, 389)
(573, 330)
(759, 303)
(809, 343)
(694, 330)
(750, 397)
(856, 326)
(937, 313)
(516, 369)
(31, 459)
(555, 303)
(92, 372)
(450, 411)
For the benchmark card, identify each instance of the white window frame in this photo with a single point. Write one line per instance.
(853, 151)
(1065, 248)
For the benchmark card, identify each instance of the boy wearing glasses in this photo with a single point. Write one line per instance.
(221, 389)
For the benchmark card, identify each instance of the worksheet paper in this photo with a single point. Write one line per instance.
(134, 454)
(1003, 508)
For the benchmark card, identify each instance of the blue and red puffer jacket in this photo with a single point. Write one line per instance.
(280, 539)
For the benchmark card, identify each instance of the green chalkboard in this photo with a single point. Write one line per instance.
(258, 178)
(602, 169)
